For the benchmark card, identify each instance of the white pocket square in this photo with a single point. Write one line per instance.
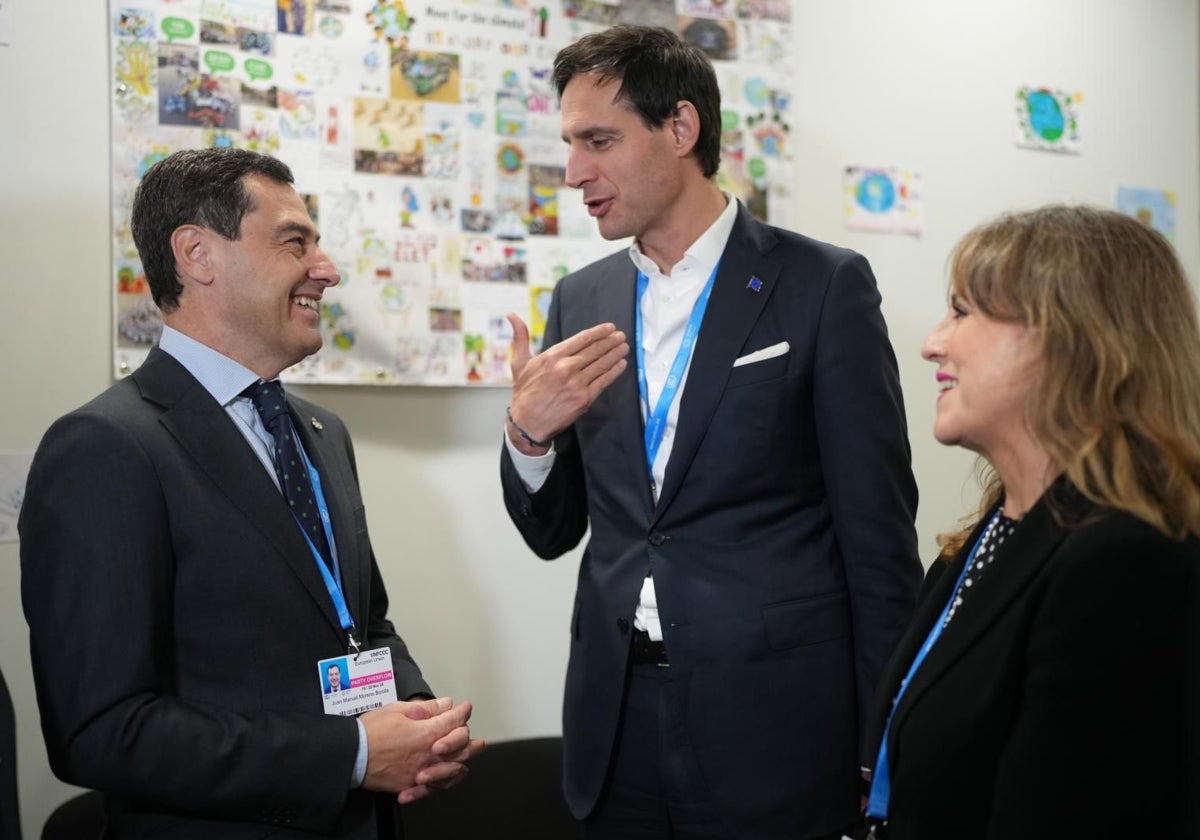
(763, 354)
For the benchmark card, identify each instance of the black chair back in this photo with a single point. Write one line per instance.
(514, 789)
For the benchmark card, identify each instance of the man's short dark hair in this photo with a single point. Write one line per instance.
(656, 69)
(193, 187)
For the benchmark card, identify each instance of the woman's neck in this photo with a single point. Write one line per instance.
(1025, 474)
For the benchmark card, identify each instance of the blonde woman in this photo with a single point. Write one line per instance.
(1047, 685)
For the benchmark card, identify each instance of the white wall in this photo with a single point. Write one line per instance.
(928, 84)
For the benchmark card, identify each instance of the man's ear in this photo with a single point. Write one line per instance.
(685, 127)
(192, 246)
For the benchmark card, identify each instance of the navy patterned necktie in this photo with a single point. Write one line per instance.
(289, 462)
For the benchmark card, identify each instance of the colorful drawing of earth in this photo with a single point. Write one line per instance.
(510, 158)
(876, 193)
(391, 21)
(757, 91)
(1045, 115)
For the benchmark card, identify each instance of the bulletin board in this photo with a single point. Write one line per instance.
(425, 140)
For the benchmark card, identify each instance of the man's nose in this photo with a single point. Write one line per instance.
(578, 170)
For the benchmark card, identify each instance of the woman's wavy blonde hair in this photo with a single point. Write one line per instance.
(1117, 401)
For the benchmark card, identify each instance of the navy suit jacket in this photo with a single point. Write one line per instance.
(1062, 700)
(782, 544)
(177, 615)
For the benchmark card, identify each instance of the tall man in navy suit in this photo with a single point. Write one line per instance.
(158, 551)
(745, 474)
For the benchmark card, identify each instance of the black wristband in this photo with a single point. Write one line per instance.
(522, 432)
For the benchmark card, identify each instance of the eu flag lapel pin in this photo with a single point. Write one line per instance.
(755, 284)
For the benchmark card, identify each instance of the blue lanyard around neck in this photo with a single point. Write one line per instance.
(881, 777)
(656, 420)
(333, 580)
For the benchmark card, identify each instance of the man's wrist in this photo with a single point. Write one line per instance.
(524, 440)
(360, 758)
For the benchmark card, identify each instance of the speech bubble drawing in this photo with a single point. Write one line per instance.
(175, 28)
(257, 69)
(218, 61)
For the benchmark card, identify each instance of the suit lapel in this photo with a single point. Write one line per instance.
(616, 298)
(203, 429)
(732, 311)
(1032, 543)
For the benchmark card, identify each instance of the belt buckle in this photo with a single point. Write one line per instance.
(877, 830)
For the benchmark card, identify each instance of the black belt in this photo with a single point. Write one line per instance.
(646, 651)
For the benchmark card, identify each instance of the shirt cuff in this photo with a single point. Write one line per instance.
(532, 469)
(360, 762)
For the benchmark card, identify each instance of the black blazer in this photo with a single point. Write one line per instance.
(782, 544)
(176, 617)
(1061, 700)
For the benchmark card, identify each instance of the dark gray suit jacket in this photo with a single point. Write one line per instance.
(176, 616)
(1061, 701)
(782, 545)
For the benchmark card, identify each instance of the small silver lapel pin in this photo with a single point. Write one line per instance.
(317, 424)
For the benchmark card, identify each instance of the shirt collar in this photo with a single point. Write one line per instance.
(705, 251)
(220, 375)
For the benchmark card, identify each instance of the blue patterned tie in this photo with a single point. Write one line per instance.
(289, 462)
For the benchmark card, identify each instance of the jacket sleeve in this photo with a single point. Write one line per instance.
(866, 463)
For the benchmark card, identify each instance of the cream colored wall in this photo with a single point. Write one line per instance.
(925, 83)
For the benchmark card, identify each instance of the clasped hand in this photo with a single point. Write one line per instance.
(415, 748)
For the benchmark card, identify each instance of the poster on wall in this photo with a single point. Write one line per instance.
(1152, 207)
(1048, 119)
(883, 200)
(425, 140)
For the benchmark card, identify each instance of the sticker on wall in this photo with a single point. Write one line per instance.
(883, 200)
(1048, 119)
(1154, 208)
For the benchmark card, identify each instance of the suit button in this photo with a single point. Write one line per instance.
(623, 625)
(657, 538)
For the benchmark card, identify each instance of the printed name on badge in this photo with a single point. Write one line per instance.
(352, 685)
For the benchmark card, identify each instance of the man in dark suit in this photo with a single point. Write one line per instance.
(746, 480)
(157, 551)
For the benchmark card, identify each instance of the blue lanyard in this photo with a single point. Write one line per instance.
(881, 778)
(333, 580)
(656, 420)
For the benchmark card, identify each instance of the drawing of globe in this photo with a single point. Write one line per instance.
(876, 193)
(1045, 115)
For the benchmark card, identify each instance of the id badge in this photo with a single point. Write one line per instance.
(351, 685)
